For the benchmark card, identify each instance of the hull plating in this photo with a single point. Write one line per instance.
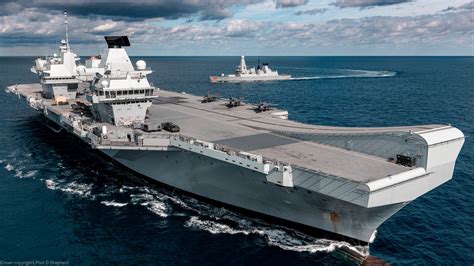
(249, 190)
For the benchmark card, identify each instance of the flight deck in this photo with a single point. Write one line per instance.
(242, 128)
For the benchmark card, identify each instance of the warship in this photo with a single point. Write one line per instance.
(244, 74)
(343, 180)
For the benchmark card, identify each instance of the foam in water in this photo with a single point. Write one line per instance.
(283, 238)
(28, 174)
(205, 217)
(223, 221)
(51, 184)
(157, 207)
(72, 188)
(114, 204)
(216, 228)
(18, 173)
(152, 202)
(354, 74)
(9, 167)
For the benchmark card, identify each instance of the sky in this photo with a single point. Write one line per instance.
(235, 27)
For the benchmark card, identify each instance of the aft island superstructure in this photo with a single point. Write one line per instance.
(343, 180)
(244, 74)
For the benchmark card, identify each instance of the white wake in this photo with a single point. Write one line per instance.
(353, 74)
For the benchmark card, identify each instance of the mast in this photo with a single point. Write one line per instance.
(67, 34)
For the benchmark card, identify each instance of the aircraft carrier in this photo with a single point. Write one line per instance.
(347, 181)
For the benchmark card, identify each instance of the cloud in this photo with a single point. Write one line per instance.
(132, 10)
(313, 11)
(467, 6)
(290, 3)
(34, 28)
(389, 32)
(367, 3)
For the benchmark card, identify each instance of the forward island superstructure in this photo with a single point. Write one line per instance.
(346, 181)
(244, 74)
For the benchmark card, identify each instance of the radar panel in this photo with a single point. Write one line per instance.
(117, 41)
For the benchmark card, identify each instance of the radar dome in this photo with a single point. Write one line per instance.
(141, 65)
(55, 55)
(104, 83)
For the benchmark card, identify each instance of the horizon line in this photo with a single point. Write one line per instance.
(467, 55)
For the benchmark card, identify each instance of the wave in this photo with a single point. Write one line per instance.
(152, 202)
(73, 188)
(51, 184)
(216, 220)
(83, 190)
(9, 167)
(356, 74)
(28, 174)
(201, 216)
(113, 203)
(31, 173)
(281, 237)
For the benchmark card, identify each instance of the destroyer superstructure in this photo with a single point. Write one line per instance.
(244, 74)
(342, 180)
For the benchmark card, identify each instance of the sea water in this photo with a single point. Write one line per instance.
(61, 201)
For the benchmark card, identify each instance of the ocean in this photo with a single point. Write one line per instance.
(62, 202)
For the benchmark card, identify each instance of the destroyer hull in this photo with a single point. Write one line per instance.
(248, 190)
(235, 79)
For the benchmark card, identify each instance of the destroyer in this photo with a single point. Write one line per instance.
(244, 74)
(343, 180)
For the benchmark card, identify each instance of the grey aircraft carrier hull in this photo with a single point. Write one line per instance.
(247, 189)
(342, 180)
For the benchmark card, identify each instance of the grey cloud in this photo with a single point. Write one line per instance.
(131, 10)
(314, 11)
(390, 31)
(467, 6)
(290, 3)
(449, 8)
(453, 28)
(367, 3)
